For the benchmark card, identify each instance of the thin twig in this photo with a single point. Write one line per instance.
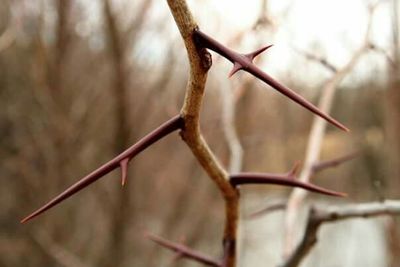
(184, 252)
(321, 215)
(323, 165)
(61, 255)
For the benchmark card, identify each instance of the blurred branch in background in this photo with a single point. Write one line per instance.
(316, 136)
(320, 215)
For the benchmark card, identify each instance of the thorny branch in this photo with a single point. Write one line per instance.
(188, 122)
(320, 215)
(185, 252)
(316, 136)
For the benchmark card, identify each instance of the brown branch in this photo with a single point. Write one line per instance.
(184, 252)
(245, 62)
(168, 127)
(321, 215)
(288, 179)
(200, 62)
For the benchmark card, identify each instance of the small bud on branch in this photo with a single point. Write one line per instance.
(245, 62)
(121, 160)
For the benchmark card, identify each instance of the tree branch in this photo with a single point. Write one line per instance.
(200, 62)
(184, 252)
(321, 215)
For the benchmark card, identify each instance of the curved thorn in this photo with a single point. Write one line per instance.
(265, 178)
(124, 170)
(236, 68)
(254, 54)
(166, 128)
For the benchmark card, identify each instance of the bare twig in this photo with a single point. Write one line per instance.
(228, 123)
(316, 136)
(184, 252)
(320, 215)
(119, 161)
(321, 60)
(323, 165)
(268, 209)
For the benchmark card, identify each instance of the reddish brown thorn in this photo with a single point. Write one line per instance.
(294, 171)
(184, 251)
(124, 170)
(166, 128)
(254, 54)
(279, 179)
(236, 68)
(247, 65)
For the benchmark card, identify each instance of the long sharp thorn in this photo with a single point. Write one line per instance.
(124, 170)
(260, 178)
(254, 54)
(253, 69)
(236, 68)
(166, 128)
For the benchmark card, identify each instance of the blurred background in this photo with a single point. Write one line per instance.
(82, 80)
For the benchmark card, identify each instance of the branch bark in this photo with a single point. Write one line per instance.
(200, 62)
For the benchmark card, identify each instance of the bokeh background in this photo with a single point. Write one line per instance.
(82, 80)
